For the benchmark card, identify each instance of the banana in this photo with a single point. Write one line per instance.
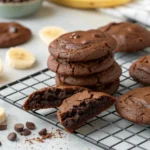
(2, 115)
(19, 58)
(1, 67)
(49, 33)
(89, 4)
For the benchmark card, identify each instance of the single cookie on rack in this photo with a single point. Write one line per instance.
(140, 70)
(110, 75)
(130, 37)
(135, 105)
(79, 108)
(82, 45)
(80, 68)
(50, 97)
(13, 34)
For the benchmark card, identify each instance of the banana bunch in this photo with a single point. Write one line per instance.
(89, 4)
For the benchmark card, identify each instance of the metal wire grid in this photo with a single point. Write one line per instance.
(107, 130)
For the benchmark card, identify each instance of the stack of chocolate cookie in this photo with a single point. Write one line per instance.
(84, 58)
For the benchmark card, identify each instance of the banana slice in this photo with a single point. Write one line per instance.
(1, 67)
(48, 34)
(19, 58)
(2, 115)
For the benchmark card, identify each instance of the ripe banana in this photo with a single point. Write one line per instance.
(89, 4)
(48, 34)
(2, 115)
(19, 58)
(1, 67)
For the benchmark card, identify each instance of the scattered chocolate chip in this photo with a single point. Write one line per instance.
(13, 29)
(0, 143)
(3, 127)
(12, 136)
(30, 125)
(43, 132)
(19, 127)
(76, 36)
(85, 42)
(25, 132)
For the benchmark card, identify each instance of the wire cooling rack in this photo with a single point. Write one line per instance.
(107, 130)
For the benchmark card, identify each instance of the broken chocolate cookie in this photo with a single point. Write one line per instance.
(50, 97)
(77, 109)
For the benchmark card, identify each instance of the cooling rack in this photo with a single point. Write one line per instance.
(107, 130)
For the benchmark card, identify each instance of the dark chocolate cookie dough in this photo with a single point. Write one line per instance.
(81, 107)
(135, 106)
(130, 37)
(82, 45)
(13, 34)
(50, 97)
(80, 68)
(140, 70)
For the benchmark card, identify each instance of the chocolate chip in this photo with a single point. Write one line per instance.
(30, 125)
(13, 29)
(85, 42)
(12, 136)
(76, 36)
(19, 127)
(3, 127)
(43, 132)
(26, 132)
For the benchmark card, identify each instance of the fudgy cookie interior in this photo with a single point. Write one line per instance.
(49, 98)
(87, 109)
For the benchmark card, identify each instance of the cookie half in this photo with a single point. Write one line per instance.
(135, 106)
(82, 45)
(140, 70)
(130, 37)
(110, 75)
(80, 68)
(50, 97)
(13, 34)
(76, 110)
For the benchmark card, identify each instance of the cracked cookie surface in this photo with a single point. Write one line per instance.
(140, 70)
(130, 37)
(80, 68)
(135, 105)
(82, 45)
(81, 107)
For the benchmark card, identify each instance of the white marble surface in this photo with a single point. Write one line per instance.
(50, 14)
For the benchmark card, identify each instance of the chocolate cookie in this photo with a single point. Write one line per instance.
(140, 70)
(130, 37)
(13, 34)
(80, 68)
(109, 88)
(76, 110)
(135, 105)
(50, 97)
(110, 75)
(82, 45)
